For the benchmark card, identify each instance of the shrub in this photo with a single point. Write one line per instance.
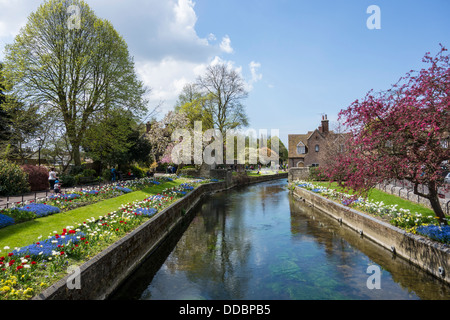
(189, 172)
(18, 215)
(138, 172)
(67, 180)
(74, 170)
(106, 174)
(37, 177)
(13, 180)
(316, 174)
(89, 173)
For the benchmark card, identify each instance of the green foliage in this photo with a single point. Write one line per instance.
(72, 74)
(19, 215)
(106, 175)
(68, 180)
(89, 173)
(137, 171)
(13, 180)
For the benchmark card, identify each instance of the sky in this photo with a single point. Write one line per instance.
(299, 59)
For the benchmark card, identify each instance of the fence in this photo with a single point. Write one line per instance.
(13, 201)
(405, 189)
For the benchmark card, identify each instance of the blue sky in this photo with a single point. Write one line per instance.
(300, 59)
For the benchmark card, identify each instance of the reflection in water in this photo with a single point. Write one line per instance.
(256, 242)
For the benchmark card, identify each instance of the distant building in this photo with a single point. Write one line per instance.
(312, 148)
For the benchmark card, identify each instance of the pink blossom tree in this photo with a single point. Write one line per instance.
(402, 133)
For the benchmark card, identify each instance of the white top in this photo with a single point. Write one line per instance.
(52, 175)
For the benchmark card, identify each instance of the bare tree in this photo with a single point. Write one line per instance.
(224, 89)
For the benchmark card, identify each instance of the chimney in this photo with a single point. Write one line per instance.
(325, 124)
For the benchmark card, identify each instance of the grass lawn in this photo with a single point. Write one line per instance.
(388, 199)
(28, 232)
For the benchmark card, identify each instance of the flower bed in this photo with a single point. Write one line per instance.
(27, 270)
(74, 199)
(6, 221)
(399, 217)
(40, 209)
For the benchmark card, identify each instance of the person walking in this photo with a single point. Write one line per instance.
(113, 174)
(52, 177)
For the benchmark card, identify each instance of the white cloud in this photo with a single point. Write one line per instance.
(225, 45)
(161, 36)
(254, 66)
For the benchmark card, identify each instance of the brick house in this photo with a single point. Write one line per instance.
(310, 149)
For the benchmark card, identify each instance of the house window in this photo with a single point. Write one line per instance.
(301, 149)
(317, 148)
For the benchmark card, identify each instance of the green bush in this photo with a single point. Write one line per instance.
(74, 170)
(190, 172)
(138, 172)
(68, 180)
(106, 174)
(19, 215)
(89, 173)
(13, 180)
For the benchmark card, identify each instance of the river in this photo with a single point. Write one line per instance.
(258, 243)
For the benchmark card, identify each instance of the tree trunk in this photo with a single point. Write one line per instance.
(437, 208)
(433, 197)
(76, 155)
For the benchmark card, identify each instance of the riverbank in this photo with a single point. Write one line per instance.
(429, 255)
(98, 278)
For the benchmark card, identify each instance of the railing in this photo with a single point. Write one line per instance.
(389, 186)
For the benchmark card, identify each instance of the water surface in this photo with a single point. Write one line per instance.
(257, 243)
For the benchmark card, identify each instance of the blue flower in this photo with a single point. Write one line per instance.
(123, 189)
(438, 233)
(5, 221)
(91, 191)
(146, 211)
(186, 186)
(40, 209)
(45, 247)
(65, 196)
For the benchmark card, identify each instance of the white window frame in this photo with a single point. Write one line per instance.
(299, 146)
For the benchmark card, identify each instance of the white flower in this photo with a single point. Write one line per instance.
(6, 248)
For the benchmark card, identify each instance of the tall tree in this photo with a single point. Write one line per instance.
(73, 71)
(224, 92)
(192, 103)
(5, 122)
(402, 133)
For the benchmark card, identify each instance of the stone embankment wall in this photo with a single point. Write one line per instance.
(429, 255)
(298, 174)
(101, 275)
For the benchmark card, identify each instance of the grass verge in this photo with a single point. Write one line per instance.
(28, 232)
